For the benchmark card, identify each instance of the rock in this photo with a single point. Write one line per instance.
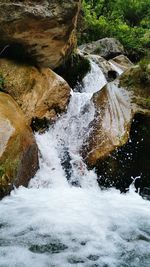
(136, 81)
(41, 93)
(40, 31)
(18, 149)
(121, 62)
(116, 105)
(74, 69)
(106, 47)
(110, 127)
(111, 69)
(129, 162)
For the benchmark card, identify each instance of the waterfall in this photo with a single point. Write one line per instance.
(66, 137)
(63, 219)
(116, 68)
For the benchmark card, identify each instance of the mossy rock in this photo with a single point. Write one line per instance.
(137, 76)
(74, 69)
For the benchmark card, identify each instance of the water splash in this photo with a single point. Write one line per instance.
(94, 80)
(65, 139)
(54, 224)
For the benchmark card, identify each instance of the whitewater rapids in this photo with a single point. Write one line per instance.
(55, 224)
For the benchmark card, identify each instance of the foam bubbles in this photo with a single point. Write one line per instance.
(54, 224)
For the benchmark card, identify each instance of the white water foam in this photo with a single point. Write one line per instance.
(54, 224)
(104, 228)
(94, 80)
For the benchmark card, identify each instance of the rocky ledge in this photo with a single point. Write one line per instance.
(39, 31)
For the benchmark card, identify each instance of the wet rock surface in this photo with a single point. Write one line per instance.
(129, 163)
(110, 127)
(136, 81)
(116, 105)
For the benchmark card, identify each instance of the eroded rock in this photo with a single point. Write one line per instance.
(18, 149)
(116, 105)
(40, 31)
(41, 93)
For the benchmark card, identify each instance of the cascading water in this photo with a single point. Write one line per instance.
(116, 68)
(56, 224)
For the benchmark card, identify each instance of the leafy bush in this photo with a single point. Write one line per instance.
(127, 20)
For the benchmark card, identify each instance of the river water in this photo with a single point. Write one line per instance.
(63, 218)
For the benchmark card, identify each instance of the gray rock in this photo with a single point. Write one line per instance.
(106, 47)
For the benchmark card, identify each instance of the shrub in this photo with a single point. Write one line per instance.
(128, 21)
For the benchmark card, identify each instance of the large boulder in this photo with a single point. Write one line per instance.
(116, 105)
(41, 93)
(18, 149)
(106, 47)
(42, 31)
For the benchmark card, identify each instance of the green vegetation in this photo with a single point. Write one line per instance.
(128, 21)
(2, 80)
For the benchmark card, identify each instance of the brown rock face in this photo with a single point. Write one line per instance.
(41, 93)
(18, 149)
(42, 31)
(116, 105)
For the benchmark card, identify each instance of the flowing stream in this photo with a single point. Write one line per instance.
(64, 219)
